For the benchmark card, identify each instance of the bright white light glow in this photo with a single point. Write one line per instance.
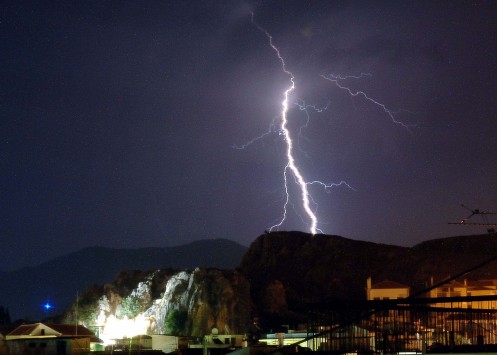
(113, 328)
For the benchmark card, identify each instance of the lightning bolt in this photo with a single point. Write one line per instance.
(305, 108)
(272, 129)
(336, 79)
(291, 164)
(281, 127)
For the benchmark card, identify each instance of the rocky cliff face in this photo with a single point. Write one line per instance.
(312, 268)
(288, 269)
(166, 302)
(79, 270)
(280, 274)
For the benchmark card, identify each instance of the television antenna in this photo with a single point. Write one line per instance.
(484, 219)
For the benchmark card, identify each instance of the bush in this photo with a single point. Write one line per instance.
(175, 321)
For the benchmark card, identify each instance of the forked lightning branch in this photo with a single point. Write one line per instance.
(292, 169)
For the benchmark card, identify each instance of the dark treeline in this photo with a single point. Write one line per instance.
(4, 316)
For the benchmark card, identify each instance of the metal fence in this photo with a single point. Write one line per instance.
(447, 324)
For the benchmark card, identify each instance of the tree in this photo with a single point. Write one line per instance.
(175, 321)
(130, 306)
(4, 316)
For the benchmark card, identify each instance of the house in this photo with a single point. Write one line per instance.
(136, 342)
(450, 289)
(481, 288)
(286, 339)
(385, 290)
(52, 339)
(466, 288)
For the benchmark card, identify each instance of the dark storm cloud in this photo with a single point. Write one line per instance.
(388, 51)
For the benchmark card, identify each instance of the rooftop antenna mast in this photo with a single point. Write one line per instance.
(484, 222)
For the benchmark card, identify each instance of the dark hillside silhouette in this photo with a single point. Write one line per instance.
(57, 281)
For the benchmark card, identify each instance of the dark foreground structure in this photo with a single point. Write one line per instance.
(436, 325)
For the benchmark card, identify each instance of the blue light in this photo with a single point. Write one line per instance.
(47, 306)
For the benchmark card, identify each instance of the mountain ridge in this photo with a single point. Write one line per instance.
(307, 269)
(58, 280)
(283, 273)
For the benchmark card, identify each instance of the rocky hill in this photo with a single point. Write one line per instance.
(279, 274)
(289, 269)
(57, 281)
(187, 302)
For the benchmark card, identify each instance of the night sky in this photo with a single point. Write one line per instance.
(120, 121)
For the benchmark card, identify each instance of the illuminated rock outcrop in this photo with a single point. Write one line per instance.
(167, 302)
